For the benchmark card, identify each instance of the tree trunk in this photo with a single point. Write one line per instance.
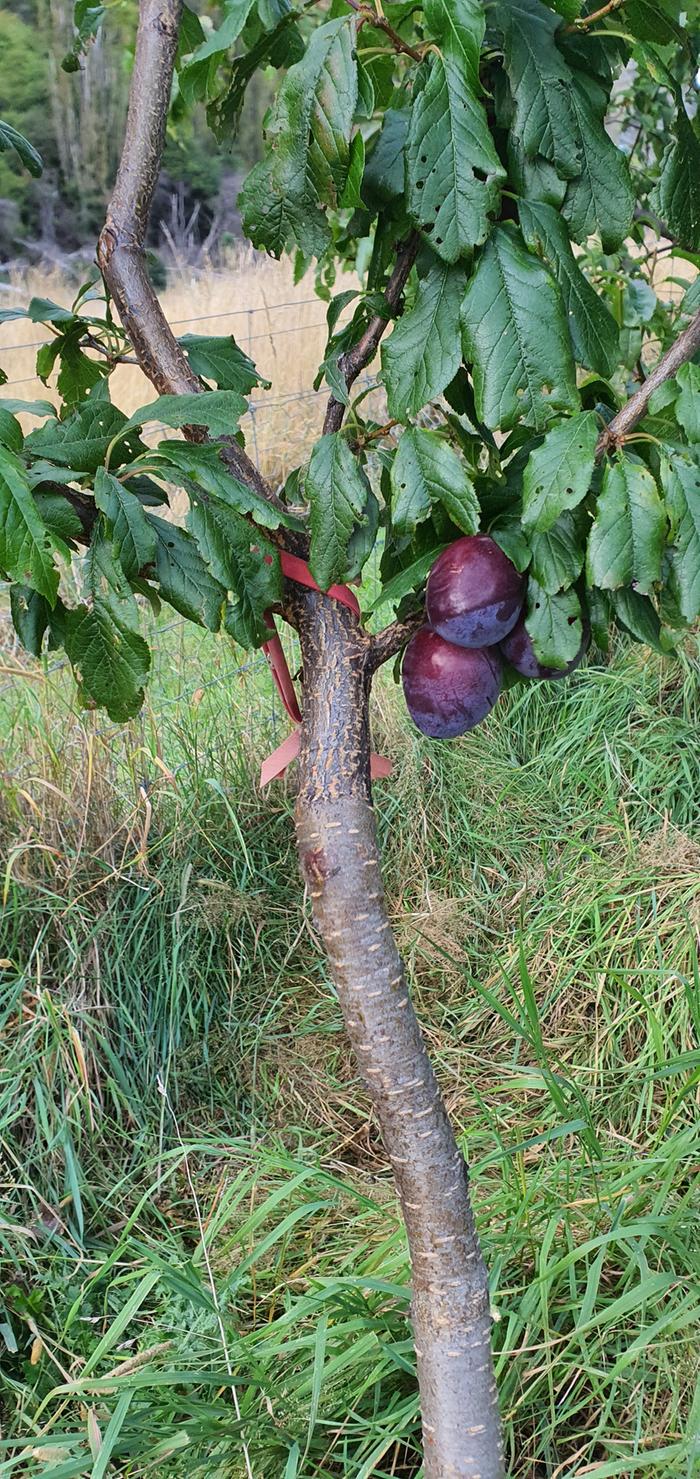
(340, 864)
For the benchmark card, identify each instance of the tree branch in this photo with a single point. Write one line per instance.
(121, 247)
(386, 644)
(683, 349)
(362, 353)
(371, 17)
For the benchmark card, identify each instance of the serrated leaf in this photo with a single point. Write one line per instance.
(102, 639)
(422, 354)
(627, 537)
(218, 410)
(57, 514)
(183, 578)
(558, 473)
(336, 489)
(243, 562)
(681, 481)
(133, 539)
(10, 138)
(540, 82)
(601, 199)
(196, 467)
(308, 147)
(26, 551)
(384, 170)
(30, 617)
(688, 403)
(410, 579)
(427, 471)
(554, 625)
(81, 442)
(10, 431)
(594, 333)
(558, 554)
(220, 358)
(515, 335)
(652, 20)
(452, 168)
(638, 617)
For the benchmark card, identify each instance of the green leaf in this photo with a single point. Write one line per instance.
(243, 562)
(422, 354)
(351, 198)
(384, 171)
(426, 471)
(219, 358)
(515, 335)
(639, 617)
(11, 139)
(408, 580)
(30, 617)
(452, 168)
(677, 194)
(57, 514)
(554, 625)
(103, 642)
(601, 199)
(594, 333)
(652, 20)
(557, 555)
(81, 442)
(217, 43)
(308, 147)
(337, 489)
(29, 408)
(218, 410)
(133, 539)
(540, 81)
(627, 538)
(201, 468)
(558, 473)
(10, 431)
(458, 28)
(688, 403)
(509, 535)
(26, 552)
(183, 578)
(681, 483)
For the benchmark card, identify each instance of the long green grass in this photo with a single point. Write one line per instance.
(203, 1268)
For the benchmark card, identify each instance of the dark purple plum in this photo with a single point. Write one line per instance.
(475, 593)
(518, 650)
(448, 689)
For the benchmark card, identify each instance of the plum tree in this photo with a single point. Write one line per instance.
(474, 593)
(518, 650)
(450, 156)
(448, 689)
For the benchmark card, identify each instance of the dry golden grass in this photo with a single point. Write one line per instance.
(280, 323)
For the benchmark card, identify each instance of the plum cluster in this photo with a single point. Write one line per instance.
(452, 668)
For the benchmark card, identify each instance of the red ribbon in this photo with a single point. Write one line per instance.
(276, 763)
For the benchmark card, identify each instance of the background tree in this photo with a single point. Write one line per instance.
(461, 154)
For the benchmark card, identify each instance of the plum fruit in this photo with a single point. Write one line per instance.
(448, 689)
(518, 650)
(475, 593)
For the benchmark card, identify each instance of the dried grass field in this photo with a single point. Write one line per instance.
(202, 1266)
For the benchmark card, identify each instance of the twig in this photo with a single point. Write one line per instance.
(386, 644)
(582, 22)
(683, 348)
(371, 17)
(362, 353)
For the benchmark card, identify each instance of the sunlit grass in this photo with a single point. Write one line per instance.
(195, 1196)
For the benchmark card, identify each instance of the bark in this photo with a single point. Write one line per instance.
(684, 348)
(340, 864)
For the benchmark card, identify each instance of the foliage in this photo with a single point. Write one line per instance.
(479, 141)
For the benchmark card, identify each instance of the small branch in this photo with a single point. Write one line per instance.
(584, 21)
(683, 349)
(371, 17)
(386, 644)
(121, 247)
(362, 353)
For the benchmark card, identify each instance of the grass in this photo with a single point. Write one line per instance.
(203, 1268)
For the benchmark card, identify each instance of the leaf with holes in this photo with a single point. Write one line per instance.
(422, 354)
(426, 471)
(540, 81)
(558, 473)
(452, 168)
(182, 577)
(337, 492)
(82, 440)
(627, 537)
(601, 199)
(243, 562)
(681, 483)
(595, 336)
(133, 539)
(201, 469)
(515, 336)
(30, 614)
(554, 625)
(26, 547)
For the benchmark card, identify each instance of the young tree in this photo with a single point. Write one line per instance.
(460, 152)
